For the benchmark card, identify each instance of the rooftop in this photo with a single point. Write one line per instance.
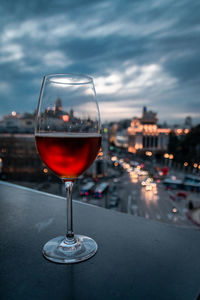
(136, 258)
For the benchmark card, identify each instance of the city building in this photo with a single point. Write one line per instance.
(15, 123)
(144, 133)
(19, 156)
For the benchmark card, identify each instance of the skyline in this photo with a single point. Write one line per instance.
(184, 122)
(140, 53)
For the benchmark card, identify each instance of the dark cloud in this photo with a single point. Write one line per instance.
(139, 52)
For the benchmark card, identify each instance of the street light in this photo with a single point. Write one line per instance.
(166, 155)
(45, 170)
(185, 163)
(148, 153)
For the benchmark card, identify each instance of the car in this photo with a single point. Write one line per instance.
(181, 194)
(143, 173)
(148, 187)
(146, 182)
(100, 189)
(87, 189)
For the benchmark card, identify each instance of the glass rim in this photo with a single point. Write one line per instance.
(76, 78)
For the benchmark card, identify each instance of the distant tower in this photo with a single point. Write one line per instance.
(71, 113)
(58, 105)
(148, 117)
(188, 122)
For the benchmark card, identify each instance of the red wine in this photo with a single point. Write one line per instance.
(68, 155)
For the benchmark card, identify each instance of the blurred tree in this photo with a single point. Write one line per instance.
(173, 143)
(186, 148)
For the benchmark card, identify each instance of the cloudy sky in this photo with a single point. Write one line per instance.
(139, 52)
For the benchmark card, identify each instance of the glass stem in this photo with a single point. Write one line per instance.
(70, 234)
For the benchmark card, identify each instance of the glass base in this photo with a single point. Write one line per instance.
(59, 249)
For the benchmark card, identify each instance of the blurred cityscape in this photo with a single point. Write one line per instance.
(144, 168)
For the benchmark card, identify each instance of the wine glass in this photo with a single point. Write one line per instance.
(68, 138)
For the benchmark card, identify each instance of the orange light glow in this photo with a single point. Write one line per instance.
(186, 131)
(166, 155)
(45, 170)
(195, 165)
(148, 153)
(113, 158)
(179, 131)
(171, 156)
(131, 149)
(185, 163)
(65, 118)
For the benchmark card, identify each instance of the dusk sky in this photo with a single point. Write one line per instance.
(139, 52)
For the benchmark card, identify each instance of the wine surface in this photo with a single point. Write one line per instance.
(68, 155)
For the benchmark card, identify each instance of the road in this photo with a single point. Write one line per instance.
(137, 201)
(134, 199)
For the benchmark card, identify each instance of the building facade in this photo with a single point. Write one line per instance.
(145, 134)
